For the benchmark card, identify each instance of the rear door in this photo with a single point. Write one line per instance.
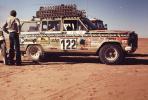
(29, 34)
(52, 29)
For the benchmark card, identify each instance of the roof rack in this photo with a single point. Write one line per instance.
(60, 11)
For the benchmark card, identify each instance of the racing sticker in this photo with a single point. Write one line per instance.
(43, 40)
(68, 44)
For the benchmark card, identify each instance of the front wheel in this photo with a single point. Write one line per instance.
(34, 52)
(111, 54)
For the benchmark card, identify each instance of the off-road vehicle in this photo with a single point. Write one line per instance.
(64, 29)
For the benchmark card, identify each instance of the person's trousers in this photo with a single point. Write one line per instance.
(14, 48)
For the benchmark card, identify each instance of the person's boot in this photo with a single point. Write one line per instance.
(11, 62)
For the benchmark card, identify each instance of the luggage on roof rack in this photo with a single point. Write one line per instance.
(60, 11)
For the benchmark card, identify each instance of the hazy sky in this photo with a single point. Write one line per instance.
(118, 14)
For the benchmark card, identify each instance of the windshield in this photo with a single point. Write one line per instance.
(88, 24)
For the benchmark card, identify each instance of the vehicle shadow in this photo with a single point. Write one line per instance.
(137, 55)
(134, 59)
(71, 59)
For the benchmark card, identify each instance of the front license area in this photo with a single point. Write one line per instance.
(68, 44)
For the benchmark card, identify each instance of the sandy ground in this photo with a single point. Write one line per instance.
(77, 78)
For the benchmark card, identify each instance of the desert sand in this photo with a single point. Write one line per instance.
(77, 78)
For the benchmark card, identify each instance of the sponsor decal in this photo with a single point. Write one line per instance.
(43, 40)
(25, 40)
(55, 40)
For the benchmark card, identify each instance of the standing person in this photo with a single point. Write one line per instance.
(13, 26)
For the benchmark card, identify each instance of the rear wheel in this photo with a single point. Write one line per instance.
(34, 52)
(111, 54)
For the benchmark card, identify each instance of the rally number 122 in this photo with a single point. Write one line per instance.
(68, 44)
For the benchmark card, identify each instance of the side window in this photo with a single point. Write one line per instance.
(44, 26)
(54, 25)
(72, 25)
(29, 27)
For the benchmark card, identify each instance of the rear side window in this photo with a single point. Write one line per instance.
(51, 26)
(54, 25)
(30, 27)
(44, 26)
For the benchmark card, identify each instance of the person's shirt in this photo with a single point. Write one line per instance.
(13, 24)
